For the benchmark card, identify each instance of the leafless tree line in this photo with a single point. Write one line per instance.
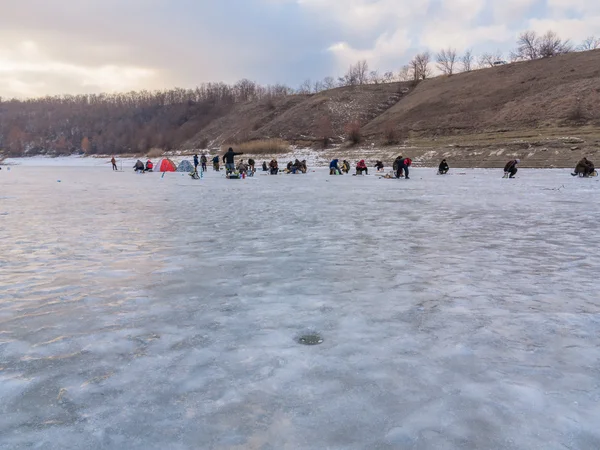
(138, 121)
(530, 46)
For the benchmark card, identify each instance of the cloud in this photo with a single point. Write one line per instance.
(63, 46)
(387, 47)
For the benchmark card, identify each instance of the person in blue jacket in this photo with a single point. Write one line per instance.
(334, 168)
(196, 162)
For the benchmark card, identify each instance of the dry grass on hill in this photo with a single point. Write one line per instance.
(260, 147)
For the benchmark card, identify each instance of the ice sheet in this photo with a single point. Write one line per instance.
(140, 312)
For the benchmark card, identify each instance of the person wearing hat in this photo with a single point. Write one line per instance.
(510, 169)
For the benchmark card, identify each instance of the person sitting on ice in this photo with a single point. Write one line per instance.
(584, 168)
(139, 166)
(379, 166)
(274, 167)
(396, 166)
(443, 168)
(242, 167)
(362, 167)
(345, 166)
(264, 167)
(334, 169)
(510, 169)
(149, 166)
(297, 166)
(303, 166)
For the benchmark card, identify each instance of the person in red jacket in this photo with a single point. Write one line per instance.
(149, 166)
(403, 166)
(362, 167)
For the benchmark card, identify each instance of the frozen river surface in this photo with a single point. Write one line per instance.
(140, 312)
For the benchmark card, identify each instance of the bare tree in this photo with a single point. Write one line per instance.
(486, 60)
(318, 87)
(590, 43)
(446, 60)
(527, 45)
(388, 77)
(361, 70)
(419, 66)
(405, 73)
(325, 130)
(328, 83)
(514, 56)
(530, 46)
(467, 61)
(550, 44)
(305, 87)
(374, 77)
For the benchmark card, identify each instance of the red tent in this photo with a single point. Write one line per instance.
(166, 165)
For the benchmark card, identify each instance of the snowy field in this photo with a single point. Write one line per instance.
(456, 312)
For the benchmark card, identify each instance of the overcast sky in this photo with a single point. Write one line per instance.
(75, 46)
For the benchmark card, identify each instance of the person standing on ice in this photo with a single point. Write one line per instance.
(396, 166)
(196, 162)
(203, 161)
(510, 169)
(229, 160)
(215, 161)
(114, 163)
(403, 166)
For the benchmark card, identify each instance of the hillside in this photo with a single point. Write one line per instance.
(563, 91)
(305, 118)
(559, 91)
(519, 109)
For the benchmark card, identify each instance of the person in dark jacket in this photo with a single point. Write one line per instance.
(114, 163)
(251, 164)
(584, 168)
(203, 161)
(274, 167)
(396, 166)
(196, 162)
(229, 160)
(443, 168)
(297, 166)
(379, 166)
(334, 168)
(303, 166)
(403, 166)
(264, 167)
(362, 167)
(139, 166)
(215, 162)
(510, 169)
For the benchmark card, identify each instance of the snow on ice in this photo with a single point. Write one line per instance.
(142, 312)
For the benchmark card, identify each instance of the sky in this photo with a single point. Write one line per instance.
(50, 47)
